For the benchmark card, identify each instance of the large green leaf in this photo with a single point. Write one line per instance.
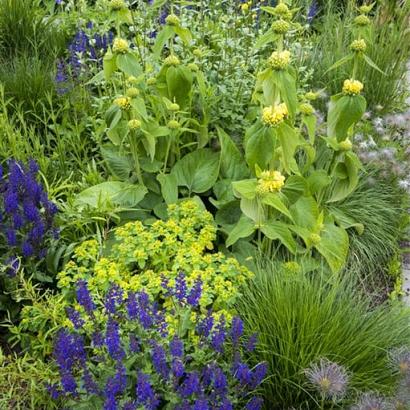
(163, 36)
(287, 86)
(264, 39)
(318, 180)
(244, 228)
(252, 209)
(334, 246)
(121, 165)
(289, 140)
(277, 230)
(344, 111)
(294, 188)
(348, 170)
(109, 64)
(129, 64)
(184, 34)
(198, 171)
(245, 188)
(273, 200)
(305, 212)
(118, 193)
(169, 187)
(259, 148)
(233, 165)
(179, 82)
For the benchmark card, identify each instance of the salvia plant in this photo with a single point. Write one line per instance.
(118, 353)
(26, 215)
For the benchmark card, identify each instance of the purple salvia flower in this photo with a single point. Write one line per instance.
(159, 359)
(236, 330)
(195, 294)
(113, 340)
(84, 297)
(176, 347)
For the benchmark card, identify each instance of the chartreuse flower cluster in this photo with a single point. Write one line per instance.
(274, 115)
(142, 257)
(352, 87)
(270, 181)
(130, 361)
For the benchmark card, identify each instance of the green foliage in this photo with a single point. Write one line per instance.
(303, 316)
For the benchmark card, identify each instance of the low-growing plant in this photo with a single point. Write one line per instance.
(122, 354)
(302, 317)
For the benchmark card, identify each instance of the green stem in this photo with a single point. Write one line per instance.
(134, 152)
(167, 154)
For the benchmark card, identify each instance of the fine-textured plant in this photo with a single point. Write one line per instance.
(303, 317)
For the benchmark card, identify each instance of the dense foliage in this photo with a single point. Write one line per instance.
(202, 203)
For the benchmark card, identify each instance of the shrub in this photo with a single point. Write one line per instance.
(302, 318)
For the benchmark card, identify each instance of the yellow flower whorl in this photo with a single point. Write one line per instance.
(279, 60)
(274, 114)
(172, 60)
(120, 46)
(123, 102)
(270, 181)
(280, 26)
(358, 46)
(352, 87)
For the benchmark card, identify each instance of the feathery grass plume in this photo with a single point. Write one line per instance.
(400, 360)
(329, 379)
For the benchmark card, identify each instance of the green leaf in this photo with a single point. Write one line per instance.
(350, 170)
(112, 116)
(264, 39)
(252, 210)
(112, 192)
(120, 165)
(163, 36)
(244, 228)
(259, 148)
(344, 111)
(276, 230)
(345, 221)
(310, 122)
(305, 212)
(228, 214)
(340, 62)
(109, 65)
(289, 140)
(318, 180)
(128, 64)
(294, 188)
(334, 246)
(245, 188)
(179, 82)
(372, 64)
(288, 91)
(198, 171)
(233, 165)
(169, 187)
(184, 34)
(273, 200)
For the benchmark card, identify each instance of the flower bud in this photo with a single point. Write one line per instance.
(311, 96)
(279, 60)
(120, 46)
(151, 81)
(134, 124)
(172, 20)
(362, 20)
(280, 26)
(173, 125)
(358, 46)
(172, 60)
(132, 92)
(315, 239)
(117, 5)
(174, 107)
(306, 109)
(345, 145)
(193, 67)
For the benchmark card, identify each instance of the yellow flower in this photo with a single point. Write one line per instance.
(365, 9)
(134, 124)
(132, 92)
(358, 46)
(280, 26)
(198, 53)
(120, 46)
(352, 87)
(245, 7)
(123, 102)
(151, 81)
(362, 20)
(306, 109)
(281, 9)
(172, 20)
(279, 60)
(132, 80)
(270, 181)
(172, 60)
(274, 114)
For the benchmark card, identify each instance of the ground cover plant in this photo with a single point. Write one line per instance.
(202, 204)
